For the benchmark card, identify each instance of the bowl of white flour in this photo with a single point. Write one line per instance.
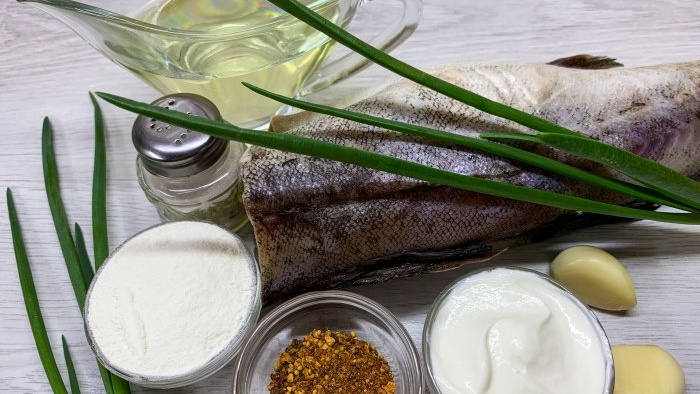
(173, 304)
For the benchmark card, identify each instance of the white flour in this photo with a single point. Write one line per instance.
(170, 299)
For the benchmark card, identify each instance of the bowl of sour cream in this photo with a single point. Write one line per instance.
(513, 330)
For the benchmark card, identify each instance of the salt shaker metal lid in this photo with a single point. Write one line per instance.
(173, 151)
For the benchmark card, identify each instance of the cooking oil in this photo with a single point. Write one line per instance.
(226, 42)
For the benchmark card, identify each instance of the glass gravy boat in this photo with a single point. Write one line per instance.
(208, 47)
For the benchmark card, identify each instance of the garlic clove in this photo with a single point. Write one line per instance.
(646, 369)
(595, 277)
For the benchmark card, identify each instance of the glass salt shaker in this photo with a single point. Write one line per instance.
(189, 175)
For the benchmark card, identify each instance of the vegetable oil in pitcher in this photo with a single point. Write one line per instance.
(226, 42)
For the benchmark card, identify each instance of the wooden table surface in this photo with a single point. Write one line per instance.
(47, 70)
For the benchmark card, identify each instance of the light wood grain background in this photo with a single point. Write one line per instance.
(46, 70)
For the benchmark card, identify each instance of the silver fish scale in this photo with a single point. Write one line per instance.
(321, 224)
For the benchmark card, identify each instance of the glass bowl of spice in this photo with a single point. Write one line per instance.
(329, 342)
(173, 304)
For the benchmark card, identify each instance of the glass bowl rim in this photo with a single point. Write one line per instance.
(217, 361)
(348, 298)
(130, 22)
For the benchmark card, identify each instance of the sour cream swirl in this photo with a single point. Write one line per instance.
(510, 331)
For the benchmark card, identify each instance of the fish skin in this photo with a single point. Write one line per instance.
(321, 224)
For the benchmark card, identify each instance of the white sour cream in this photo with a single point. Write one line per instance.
(510, 331)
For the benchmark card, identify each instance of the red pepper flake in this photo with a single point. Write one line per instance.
(331, 362)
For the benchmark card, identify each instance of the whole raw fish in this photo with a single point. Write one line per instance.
(321, 224)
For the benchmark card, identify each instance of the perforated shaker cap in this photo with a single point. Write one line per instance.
(173, 151)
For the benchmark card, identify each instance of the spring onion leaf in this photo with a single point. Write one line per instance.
(511, 136)
(58, 212)
(496, 149)
(72, 376)
(107, 379)
(407, 71)
(310, 147)
(664, 180)
(85, 266)
(75, 255)
(120, 386)
(324, 150)
(99, 190)
(654, 175)
(31, 302)
(113, 384)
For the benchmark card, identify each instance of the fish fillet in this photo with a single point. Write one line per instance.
(321, 224)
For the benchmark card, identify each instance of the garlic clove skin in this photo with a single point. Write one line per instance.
(646, 369)
(595, 277)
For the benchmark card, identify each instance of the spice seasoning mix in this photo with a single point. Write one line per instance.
(331, 362)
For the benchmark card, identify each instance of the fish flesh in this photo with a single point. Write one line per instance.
(321, 224)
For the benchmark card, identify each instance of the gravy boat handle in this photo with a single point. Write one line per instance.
(350, 64)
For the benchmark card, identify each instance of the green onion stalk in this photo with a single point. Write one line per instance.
(75, 255)
(654, 183)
